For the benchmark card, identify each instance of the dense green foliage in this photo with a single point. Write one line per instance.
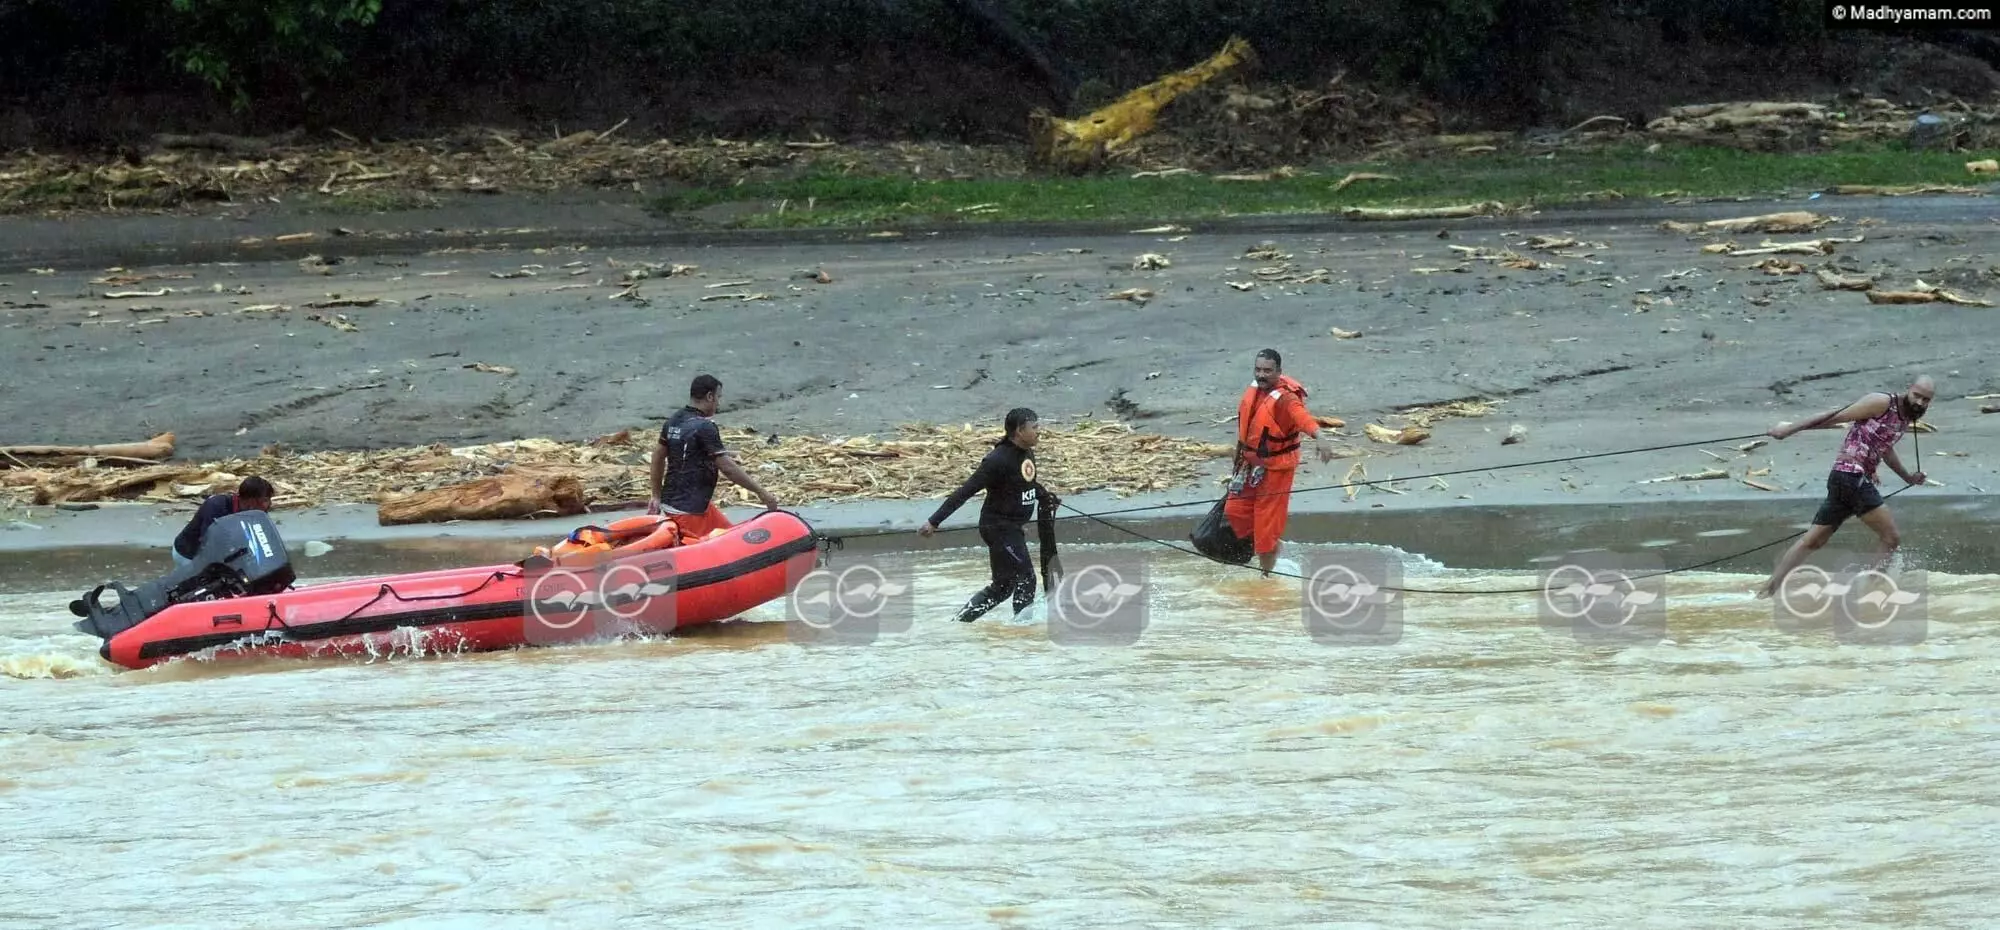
(261, 48)
(233, 45)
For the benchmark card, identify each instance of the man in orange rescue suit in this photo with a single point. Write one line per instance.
(1269, 420)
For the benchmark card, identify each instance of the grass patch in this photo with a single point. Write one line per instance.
(71, 192)
(366, 201)
(1516, 180)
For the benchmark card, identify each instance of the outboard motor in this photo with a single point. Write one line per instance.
(241, 556)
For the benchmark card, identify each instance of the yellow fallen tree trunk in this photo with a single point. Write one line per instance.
(501, 497)
(1084, 143)
(152, 450)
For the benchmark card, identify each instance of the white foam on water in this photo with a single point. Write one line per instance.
(1036, 614)
(1659, 543)
(1412, 561)
(1713, 599)
(1711, 534)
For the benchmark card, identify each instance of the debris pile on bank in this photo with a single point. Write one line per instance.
(1949, 125)
(1272, 126)
(920, 462)
(1242, 130)
(1275, 127)
(181, 170)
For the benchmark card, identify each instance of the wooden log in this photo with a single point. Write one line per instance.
(122, 453)
(1794, 221)
(501, 497)
(1834, 281)
(99, 485)
(1700, 110)
(224, 142)
(1081, 144)
(1463, 211)
(1901, 297)
(1707, 475)
(1407, 436)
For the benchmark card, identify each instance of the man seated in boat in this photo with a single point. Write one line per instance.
(253, 494)
(691, 456)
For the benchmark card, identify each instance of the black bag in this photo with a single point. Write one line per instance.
(1217, 540)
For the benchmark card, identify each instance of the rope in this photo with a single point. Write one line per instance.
(1342, 486)
(1447, 474)
(390, 590)
(1537, 590)
(1916, 445)
(830, 542)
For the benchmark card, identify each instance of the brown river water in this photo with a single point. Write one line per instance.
(1226, 770)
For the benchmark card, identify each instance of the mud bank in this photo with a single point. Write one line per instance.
(1631, 337)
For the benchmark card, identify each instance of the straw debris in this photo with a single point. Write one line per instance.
(1407, 436)
(920, 462)
(412, 173)
(1240, 128)
(1788, 125)
(1423, 415)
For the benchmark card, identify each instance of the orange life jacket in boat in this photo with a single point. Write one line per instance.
(1268, 426)
(590, 544)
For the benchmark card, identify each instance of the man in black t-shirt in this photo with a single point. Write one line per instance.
(253, 494)
(688, 459)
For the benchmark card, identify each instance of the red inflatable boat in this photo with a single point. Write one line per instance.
(235, 598)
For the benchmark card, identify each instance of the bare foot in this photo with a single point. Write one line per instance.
(1764, 593)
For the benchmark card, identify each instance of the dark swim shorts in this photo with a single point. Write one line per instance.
(1847, 495)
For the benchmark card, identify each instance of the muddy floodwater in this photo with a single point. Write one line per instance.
(1226, 770)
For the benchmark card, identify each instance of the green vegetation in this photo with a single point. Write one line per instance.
(236, 44)
(277, 53)
(365, 201)
(1516, 180)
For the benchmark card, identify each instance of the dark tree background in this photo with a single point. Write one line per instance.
(96, 72)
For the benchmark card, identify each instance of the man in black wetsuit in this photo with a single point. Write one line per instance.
(254, 493)
(1007, 475)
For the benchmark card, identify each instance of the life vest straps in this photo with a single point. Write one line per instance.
(1288, 442)
(1285, 442)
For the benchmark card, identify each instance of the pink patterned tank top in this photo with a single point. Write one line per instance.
(1868, 439)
